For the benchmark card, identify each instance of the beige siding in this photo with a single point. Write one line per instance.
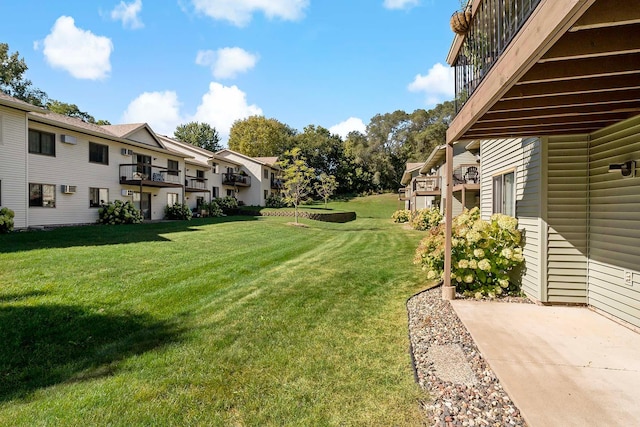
(13, 163)
(253, 195)
(614, 223)
(523, 156)
(143, 136)
(463, 157)
(567, 206)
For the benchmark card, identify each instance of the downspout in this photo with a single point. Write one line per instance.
(26, 170)
(448, 291)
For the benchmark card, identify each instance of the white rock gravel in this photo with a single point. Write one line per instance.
(464, 389)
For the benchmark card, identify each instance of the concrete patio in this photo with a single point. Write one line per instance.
(562, 366)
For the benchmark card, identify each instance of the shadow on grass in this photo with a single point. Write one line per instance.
(99, 235)
(45, 345)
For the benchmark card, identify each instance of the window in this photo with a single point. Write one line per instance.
(172, 199)
(504, 194)
(199, 202)
(215, 192)
(98, 153)
(266, 174)
(42, 195)
(173, 167)
(42, 143)
(230, 193)
(200, 175)
(266, 194)
(214, 168)
(98, 197)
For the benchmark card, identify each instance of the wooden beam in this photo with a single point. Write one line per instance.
(526, 122)
(598, 42)
(568, 130)
(610, 98)
(567, 111)
(606, 13)
(595, 85)
(583, 68)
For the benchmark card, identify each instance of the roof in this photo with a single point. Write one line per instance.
(411, 167)
(265, 161)
(271, 161)
(16, 103)
(436, 158)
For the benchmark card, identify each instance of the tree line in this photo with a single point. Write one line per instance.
(363, 162)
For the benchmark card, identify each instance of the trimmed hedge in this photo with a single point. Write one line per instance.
(339, 217)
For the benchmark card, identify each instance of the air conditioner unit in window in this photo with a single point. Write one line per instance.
(127, 192)
(126, 152)
(68, 139)
(68, 189)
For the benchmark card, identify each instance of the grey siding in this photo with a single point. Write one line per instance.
(614, 223)
(13, 164)
(523, 156)
(567, 205)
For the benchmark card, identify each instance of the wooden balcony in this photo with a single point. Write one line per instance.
(193, 184)
(236, 179)
(149, 176)
(546, 67)
(427, 186)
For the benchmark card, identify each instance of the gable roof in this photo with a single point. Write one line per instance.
(259, 160)
(406, 176)
(271, 161)
(12, 102)
(130, 129)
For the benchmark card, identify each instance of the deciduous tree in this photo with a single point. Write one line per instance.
(326, 186)
(201, 135)
(297, 176)
(257, 136)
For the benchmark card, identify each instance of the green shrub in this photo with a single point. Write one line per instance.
(274, 201)
(227, 204)
(425, 219)
(482, 254)
(178, 211)
(6, 220)
(213, 209)
(119, 212)
(401, 216)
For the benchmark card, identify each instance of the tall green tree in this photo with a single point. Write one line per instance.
(257, 136)
(322, 149)
(297, 177)
(13, 82)
(201, 135)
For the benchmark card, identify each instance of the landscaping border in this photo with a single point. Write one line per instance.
(339, 217)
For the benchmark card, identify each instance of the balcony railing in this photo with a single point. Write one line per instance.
(148, 175)
(193, 183)
(236, 179)
(427, 183)
(494, 25)
(277, 184)
(466, 174)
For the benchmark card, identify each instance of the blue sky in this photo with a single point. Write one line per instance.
(332, 63)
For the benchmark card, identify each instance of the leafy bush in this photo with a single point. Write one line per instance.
(227, 203)
(482, 254)
(213, 208)
(274, 201)
(425, 219)
(401, 216)
(119, 212)
(178, 211)
(6, 220)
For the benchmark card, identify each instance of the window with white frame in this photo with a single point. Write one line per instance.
(504, 193)
(172, 199)
(98, 153)
(215, 192)
(266, 174)
(42, 195)
(98, 197)
(214, 168)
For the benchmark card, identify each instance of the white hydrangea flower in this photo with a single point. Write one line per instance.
(473, 264)
(468, 278)
(473, 236)
(478, 253)
(484, 265)
(463, 263)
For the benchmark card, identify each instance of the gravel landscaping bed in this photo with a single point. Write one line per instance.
(448, 365)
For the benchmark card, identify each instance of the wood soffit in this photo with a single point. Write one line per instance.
(589, 78)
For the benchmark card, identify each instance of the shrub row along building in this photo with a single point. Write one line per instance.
(57, 170)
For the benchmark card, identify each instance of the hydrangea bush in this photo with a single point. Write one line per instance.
(228, 204)
(178, 211)
(482, 254)
(424, 219)
(274, 201)
(401, 216)
(6, 220)
(213, 209)
(119, 212)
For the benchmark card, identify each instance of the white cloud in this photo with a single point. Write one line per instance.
(161, 110)
(222, 106)
(400, 4)
(228, 62)
(438, 85)
(219, 107)
(240, 12)
(80, 52)
(128, 14)
(351, 124)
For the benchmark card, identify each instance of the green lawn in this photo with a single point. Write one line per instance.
(232, 321)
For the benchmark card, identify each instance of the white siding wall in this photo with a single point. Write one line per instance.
(567, 206)
(614, 223)
(253, 195)
(523, 156)
(13, 163)
(71, 166)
